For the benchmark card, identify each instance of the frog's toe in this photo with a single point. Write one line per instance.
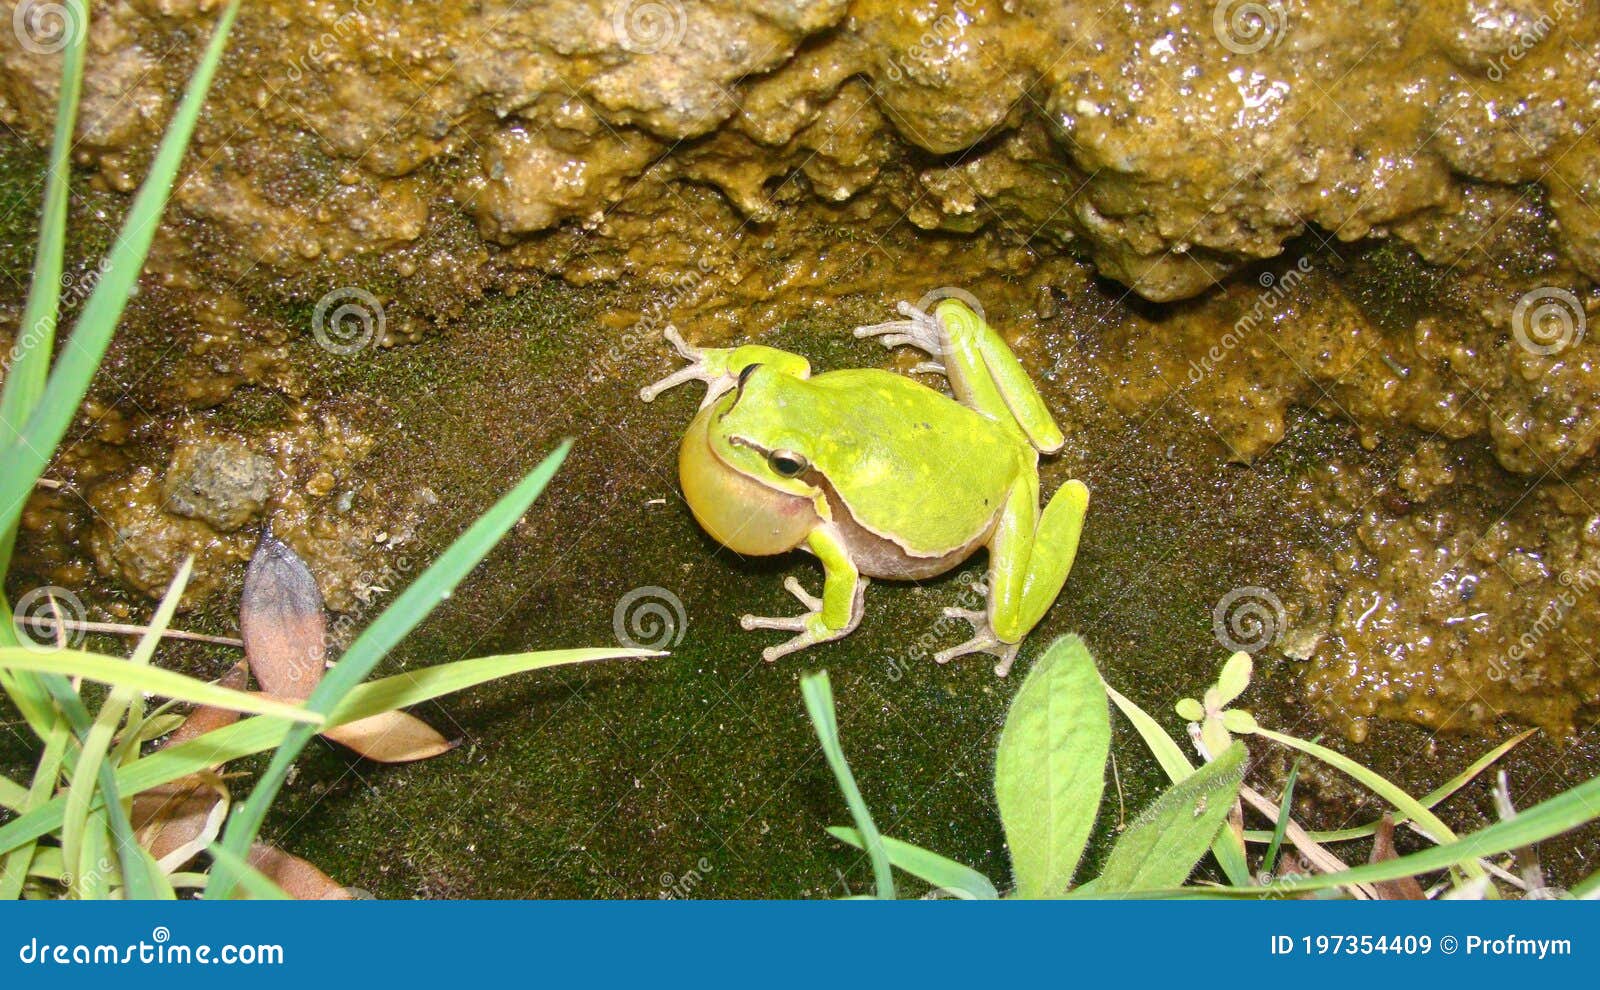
(794, 587)
(795, 645)
(1006, 653)
(784, 623)
(983, 640)
(918, 329)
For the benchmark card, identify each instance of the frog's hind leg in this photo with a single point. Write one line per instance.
(1029, 560)
(979, 364)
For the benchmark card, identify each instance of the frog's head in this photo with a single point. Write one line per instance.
(744, 462)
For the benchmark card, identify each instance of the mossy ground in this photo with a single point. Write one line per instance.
(698, 773)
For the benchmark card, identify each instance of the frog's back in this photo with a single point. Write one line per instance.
(920, 465)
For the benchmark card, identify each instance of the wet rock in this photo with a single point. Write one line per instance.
(1186, 140)
(1455, 614)
(138, 541)
(220, 481)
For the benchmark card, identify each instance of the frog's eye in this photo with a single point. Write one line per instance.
(787, 463)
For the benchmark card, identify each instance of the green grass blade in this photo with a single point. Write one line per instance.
(91, 880)
(403, 614)
(257, 735)
(14, 871)
(818, 694)
(1229, 847)
(110, 813)
(1280, 827)
(160, 886)
(1164, 844)
(1563, 813)
(416, 686)
(1050, 769)
(36, 334)
(1588, 888)
(25, 377)
(1436, 829)
(924, 864)
(258, 885)
(1429, 800)
(13, 796)
(24, 690)
(27, 457)
(137, 874)
(152, 680)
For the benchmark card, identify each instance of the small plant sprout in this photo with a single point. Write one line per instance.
(1218, 723)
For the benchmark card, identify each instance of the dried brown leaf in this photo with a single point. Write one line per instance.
(282, 622)
(180, 816)
(392, 737)
(298, 878)
(205, 718)
(1404, 889)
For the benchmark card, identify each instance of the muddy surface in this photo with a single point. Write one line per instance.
(1312, 296)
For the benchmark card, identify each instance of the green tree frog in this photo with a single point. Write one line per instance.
(880, 476)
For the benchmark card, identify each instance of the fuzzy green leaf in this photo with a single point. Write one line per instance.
(1051, 767)
(1160, 849)
(1234, 678)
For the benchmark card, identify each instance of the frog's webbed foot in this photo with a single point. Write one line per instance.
(709, 365)
(983, 640)
(810, 626)
(918, 329)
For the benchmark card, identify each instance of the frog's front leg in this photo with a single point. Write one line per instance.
(982, 370)
(1029, 558)
(835, 614)
(719, 367)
